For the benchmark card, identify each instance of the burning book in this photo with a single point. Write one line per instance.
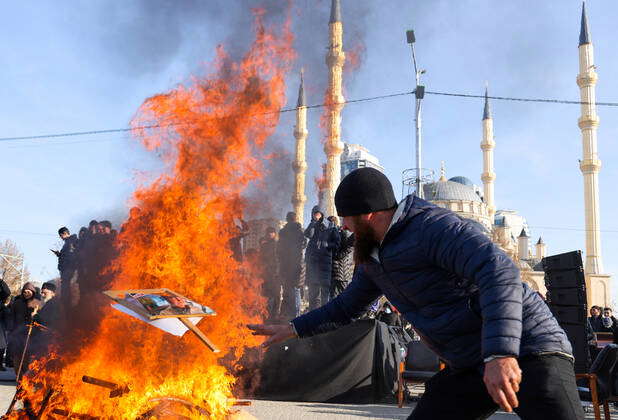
(163, 309)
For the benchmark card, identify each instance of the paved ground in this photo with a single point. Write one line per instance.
(277, 410)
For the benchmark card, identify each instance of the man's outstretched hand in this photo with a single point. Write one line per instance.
(276, 333)
(502, 378)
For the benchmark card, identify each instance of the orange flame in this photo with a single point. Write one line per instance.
(210, 133)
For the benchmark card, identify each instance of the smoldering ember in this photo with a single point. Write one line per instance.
(252, 210)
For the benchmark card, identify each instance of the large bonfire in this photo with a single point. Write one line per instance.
(210, 133)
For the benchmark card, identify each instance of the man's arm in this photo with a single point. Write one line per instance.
(461, 248)
(339, 311)
(350, 304)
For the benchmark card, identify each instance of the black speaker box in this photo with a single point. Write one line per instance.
(565, 278)
(572, 296)
(575, 314)
(579, 341)
(566, 261)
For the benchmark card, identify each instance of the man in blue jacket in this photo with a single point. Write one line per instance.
(463, 296)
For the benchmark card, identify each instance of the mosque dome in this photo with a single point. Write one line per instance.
(450, 191)
(462, 180)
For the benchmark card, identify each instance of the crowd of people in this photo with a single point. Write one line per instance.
(314, 263)
(36, 313)
(32, 306)
(602, 320)
(83, 259)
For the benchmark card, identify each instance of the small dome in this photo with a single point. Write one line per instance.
(462, 180)
(449, 191)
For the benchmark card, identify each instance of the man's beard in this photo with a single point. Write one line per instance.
(364, 242)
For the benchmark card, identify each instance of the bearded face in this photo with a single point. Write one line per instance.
(364, 239)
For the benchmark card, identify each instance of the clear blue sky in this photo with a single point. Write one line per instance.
(88, 65)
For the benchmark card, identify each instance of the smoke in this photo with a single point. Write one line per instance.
(145, 38)
(270, 197)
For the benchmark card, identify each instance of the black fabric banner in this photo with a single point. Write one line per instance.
(354, 364)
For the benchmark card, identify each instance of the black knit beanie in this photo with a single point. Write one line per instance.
(49, 286)
(362, 191)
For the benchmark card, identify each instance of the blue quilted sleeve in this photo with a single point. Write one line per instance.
(350, 304)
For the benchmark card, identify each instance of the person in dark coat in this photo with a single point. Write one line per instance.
(290, 253)
(324, 239)
(236, 242)
(609, 324)
(49, 314)
(67, 264)
(343, 261)
(595, 318)
(465, 298)
(271, 288)
(22, 310)
(24, 305)
(5, 293)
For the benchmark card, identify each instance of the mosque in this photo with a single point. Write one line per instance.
(507, 229)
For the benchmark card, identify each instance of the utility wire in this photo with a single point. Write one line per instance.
(507, 98)
(23, 232)
(62, 143)
(284, 110)
(572, 229)
(147, 127)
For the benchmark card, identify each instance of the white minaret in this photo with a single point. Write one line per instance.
(333, 147)
(590, 163)
(541, 249)
(300, 165)
(523, 245)
(487, 146)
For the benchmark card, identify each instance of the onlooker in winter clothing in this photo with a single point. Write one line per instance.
(24, 305)
(290, 253)
(609, 324)
(21, 312)
(324, 239)
(465, 298)
(5, 293)
(595, 318)
(49, 314)
(236, 242)
(343, 261)
(67, 264)
(271, 289)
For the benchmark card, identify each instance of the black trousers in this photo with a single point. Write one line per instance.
(547, 391)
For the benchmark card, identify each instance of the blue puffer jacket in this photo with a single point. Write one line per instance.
(461, 293)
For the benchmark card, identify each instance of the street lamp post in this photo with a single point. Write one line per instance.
(419, 93)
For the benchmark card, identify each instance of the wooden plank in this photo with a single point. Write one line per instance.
(200, 335)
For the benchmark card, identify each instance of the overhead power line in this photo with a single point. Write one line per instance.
(147, 127)
(23, 232)
(322, 105)
(572, 229)
(507, 98)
